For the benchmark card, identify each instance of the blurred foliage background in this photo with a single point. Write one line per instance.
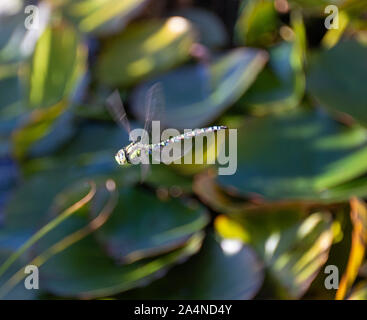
(295, 91)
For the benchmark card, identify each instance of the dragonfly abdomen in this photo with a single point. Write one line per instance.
(187, 135)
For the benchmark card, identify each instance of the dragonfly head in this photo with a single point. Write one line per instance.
(121, 157)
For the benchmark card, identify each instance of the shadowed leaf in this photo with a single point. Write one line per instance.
(215, 272)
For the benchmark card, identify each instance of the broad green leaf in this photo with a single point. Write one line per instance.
(299, 155)
(337, 85)
(109, 278)
(143, 226)
(57, 63)
(293, 250)
(86, 156)
(84, 271)
(102, 16)
(221, 270)
(196, 95)
(343, 192)
(144, 49)
(226, 200)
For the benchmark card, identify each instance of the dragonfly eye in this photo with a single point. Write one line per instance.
(120, 157)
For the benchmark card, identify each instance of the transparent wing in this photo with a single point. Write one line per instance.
(154, 111)
(154, 106)
(117, 110)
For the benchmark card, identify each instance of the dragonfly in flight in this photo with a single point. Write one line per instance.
(137, 149)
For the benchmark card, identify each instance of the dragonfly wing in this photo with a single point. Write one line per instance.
(154, 106)
(117, 110)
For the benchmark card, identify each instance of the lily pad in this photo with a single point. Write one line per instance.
(216, 272)
(337, 85)
(143, 226)
(144, 49)
(293, 250)
(96, 275)
(59, 272)
(81, 158)
(196, 95)
(226, 200)
(299, 155)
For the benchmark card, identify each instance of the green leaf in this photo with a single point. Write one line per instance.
(196, 95)
(215, 272)
(143, 226)
(293, 250)
(144, 49)
(86, 156)
(57, 63)
(299, 155)
(340, 86)
(84, 271)
(106, 277)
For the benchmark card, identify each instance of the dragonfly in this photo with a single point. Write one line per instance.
(136, 149)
